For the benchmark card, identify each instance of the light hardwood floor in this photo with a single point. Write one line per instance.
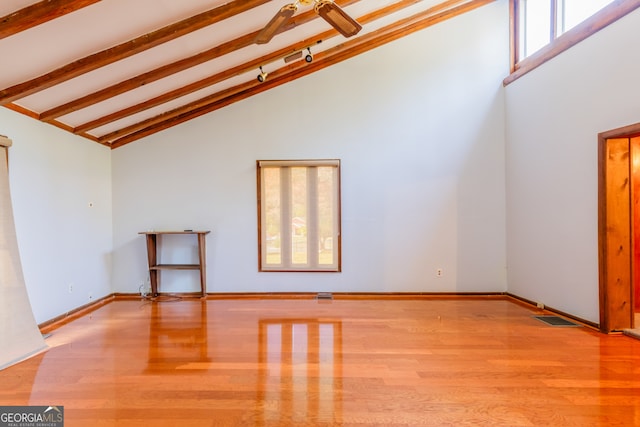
(431, 362)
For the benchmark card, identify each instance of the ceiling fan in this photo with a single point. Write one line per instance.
(327, 9)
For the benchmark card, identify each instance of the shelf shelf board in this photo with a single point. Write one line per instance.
(176, 232)
(175, 267)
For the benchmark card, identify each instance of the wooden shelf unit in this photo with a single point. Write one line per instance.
(154, 267)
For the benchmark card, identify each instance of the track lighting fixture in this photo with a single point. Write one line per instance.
(298, 54)
(293, 57)
(262, 76)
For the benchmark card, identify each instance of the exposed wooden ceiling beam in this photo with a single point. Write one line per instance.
(169, 69)
(250, 65)
(126, 49)
(39, 13)
(288, 73)
(204, 83)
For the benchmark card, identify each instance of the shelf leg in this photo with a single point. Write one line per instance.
(152, 258)
(202, 259)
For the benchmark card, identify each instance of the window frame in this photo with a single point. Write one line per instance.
(559, 43)
(337, 244)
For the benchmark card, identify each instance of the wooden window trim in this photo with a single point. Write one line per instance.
(608, 15)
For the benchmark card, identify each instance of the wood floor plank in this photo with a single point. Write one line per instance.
(363, 362)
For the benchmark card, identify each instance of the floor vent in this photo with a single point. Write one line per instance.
(555, 321)
(324, 295)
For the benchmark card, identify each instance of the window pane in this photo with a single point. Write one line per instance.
(299, 215)
(272, 217)
(535, 22)
(326, 217)
(576, 11)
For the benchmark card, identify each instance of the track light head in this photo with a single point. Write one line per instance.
(262, 76)
(308, 57)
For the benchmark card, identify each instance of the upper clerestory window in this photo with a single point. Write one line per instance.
(542, 29)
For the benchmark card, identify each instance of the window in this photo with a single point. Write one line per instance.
(542, 21)
(541, 29)
(299, 215)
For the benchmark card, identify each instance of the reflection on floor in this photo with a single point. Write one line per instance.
(349, 363)
(299, 361)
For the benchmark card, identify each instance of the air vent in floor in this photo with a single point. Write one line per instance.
(555, 321)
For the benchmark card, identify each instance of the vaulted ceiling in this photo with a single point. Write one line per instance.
(114, 71)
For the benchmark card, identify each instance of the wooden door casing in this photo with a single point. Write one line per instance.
(615, 235)
(618, 225)
(634, 144)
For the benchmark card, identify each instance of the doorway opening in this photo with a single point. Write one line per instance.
(619, 228)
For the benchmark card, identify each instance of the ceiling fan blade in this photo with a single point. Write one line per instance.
(276, 23)
(337, 18)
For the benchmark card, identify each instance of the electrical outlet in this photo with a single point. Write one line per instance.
(439, 272)
(70, 287)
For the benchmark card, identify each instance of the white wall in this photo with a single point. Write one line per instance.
(62, 241)
(419, 127)
(554, 115)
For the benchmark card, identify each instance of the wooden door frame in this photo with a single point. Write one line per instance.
(615, 233)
